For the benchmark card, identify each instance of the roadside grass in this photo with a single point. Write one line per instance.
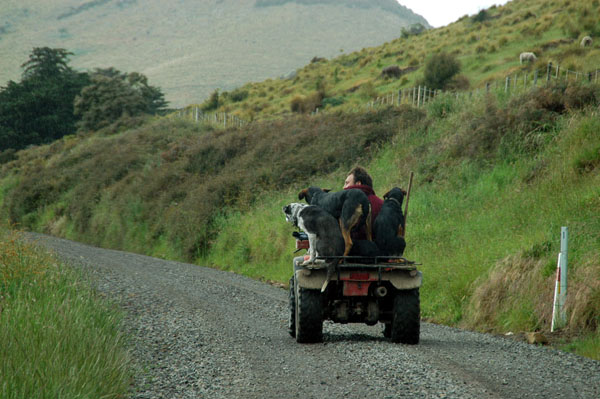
(588, 346)
(57, 337)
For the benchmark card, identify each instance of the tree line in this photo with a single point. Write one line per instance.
(53, 100)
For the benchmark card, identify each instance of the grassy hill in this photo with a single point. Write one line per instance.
(487, 45)
(497, 175)
(190, 48)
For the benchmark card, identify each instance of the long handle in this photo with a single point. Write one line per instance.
(406, 204)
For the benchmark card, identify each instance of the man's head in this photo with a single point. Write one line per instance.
(358, 175)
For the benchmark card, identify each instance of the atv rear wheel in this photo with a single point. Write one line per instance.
(406, 323)
(309, 315)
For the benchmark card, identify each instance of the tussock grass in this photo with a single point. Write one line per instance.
(57, 338)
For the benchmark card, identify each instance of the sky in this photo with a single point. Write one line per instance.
(443, 12)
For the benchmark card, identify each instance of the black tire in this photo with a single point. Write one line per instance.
(292, 307)
(406, 320)
(309, 315)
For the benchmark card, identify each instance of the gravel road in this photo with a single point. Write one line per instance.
(202, 333)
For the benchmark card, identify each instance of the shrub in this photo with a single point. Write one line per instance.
(304, 105)
(333, 101)
(481, 16)
(238, 95)
(440, 69)
(212, 102)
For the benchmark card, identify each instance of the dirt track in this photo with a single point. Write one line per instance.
(202, 333)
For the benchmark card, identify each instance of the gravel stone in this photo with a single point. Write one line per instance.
(198, 332)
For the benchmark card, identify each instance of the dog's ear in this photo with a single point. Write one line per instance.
(386, 195)
(286, 209)
(326, 189)
(303, 194)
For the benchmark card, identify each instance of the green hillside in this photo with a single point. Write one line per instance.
(189, 48)
(496, 174)
(487, 45)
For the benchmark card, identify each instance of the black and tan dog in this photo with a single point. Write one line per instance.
(350, 207)
(324, 237)
(389, 225)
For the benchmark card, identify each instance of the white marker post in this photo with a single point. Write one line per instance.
(559, 316)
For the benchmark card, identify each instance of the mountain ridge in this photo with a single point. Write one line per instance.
(190, 49)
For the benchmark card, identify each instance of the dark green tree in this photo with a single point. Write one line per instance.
(39, 109)
(113, 95)
(439, 70)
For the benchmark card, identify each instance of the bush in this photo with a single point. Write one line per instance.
(439, 70)
(212, 102)
(238, 95)
(308, 104)
(333, 101)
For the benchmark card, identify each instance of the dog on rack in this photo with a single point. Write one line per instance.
(350, 207)
(324, 236)
(389, 225)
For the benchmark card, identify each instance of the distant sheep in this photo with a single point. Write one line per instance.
(527, 57)
(586, 41)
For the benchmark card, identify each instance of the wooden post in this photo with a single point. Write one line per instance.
(410, 180)
(557, 71)
(414, 96)
(535, 77)
(419, 98)
(507, 84)
(548, 72)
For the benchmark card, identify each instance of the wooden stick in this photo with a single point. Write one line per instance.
(406, 204)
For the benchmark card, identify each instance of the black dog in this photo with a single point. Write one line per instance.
(351, 207)
(389, 225)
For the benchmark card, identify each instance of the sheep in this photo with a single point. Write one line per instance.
(586, 41)
(527, 57)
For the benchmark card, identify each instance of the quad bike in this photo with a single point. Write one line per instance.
(353, 289)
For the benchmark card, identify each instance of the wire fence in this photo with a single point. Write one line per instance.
(511, 84)
(216, 119)
(418, 96)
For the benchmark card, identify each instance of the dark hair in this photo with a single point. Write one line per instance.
(360, 174)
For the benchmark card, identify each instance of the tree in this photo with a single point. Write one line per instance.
(113, 95)
(439, 70)
(39, 109)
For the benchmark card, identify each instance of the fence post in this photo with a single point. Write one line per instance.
(507, 84)
(548, 72)
(557, 71)
(535, 77)
(559, 317)
(399, 96)
(419, 98)
(414, 96)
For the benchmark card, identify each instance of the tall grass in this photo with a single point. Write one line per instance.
(57, 338)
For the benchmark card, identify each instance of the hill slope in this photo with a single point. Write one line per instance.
(190, 48)
(497, 175)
